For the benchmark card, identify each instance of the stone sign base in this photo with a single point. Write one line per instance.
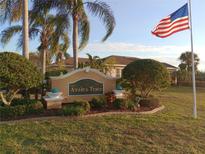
(53, 103)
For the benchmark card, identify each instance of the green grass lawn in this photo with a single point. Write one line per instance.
(171, 131)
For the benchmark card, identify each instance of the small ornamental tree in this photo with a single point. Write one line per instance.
(16, 72)
(145, 75)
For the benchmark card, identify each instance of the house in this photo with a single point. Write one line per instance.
(120, 62)
(117, 63)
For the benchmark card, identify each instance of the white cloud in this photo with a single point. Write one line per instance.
(165, 53)
(131, 47)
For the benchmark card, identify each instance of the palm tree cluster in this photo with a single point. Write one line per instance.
(186, 61)
(52, 21)
(94, 62)
(185, 67)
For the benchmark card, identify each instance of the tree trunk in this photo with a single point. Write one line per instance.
(7, 100)
(36, 93)
(44, 63)
(25, 30)
(43, 72)
(75, 40)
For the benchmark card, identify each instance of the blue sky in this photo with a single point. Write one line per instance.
(135, 19)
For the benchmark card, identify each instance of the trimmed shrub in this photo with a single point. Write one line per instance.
(35, 108)
(131, 105)
(149, 102)
(120, 104)
(84, 104)
(76, 108)
(73, 110)
(110, 98)
(16, 73)
(98, 103)
(17, 102)
(145, 75)
(11, 112)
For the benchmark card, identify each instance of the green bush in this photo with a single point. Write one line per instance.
(131, 105)
(11, 112)
(98, 103)
(76, 108)
(120, 104)
(145, 75)
(84, 104)
(149, 102)
(1, 103)
(16, 102)
(17, 72)
(73, 110)
(34, 108)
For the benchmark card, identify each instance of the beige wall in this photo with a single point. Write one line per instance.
(116, 71)
(62, 83)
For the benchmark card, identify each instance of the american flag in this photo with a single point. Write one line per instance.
(175, 22)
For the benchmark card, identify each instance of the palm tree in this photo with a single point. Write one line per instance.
(51, 30)
(186, 61)
(12, 11)
(75, 9)
(97, 63)
(93, 61)
(60, 56)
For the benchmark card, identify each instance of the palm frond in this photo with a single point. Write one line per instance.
(8, 33)
(83, 30)
(16, 10)
(19, 44)
(89, 56)
(47, 4)
(33, 32)
(10, 10)
(37, 19)
(60, 33)
(63, 6)
(66, 42)
(103, 11)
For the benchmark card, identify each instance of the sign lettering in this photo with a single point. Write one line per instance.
(85, 87)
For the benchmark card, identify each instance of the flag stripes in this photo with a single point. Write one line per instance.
(167, 28)
(177, 21)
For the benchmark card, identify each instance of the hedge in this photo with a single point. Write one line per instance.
(120, 104)
(76, 108)
(73, 111)
(98, 103)
(12, 112)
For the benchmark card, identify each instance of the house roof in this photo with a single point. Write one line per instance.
(114, 59)
(70, 60)
(170, 66)
(120, 60)
(123, 60)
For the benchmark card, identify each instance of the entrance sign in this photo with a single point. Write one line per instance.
(85, 87)
(83, 84)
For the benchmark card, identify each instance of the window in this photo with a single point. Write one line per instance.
(118, 73)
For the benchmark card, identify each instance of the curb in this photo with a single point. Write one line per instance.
(126, 113)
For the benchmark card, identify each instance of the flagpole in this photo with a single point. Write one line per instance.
(193, 64)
